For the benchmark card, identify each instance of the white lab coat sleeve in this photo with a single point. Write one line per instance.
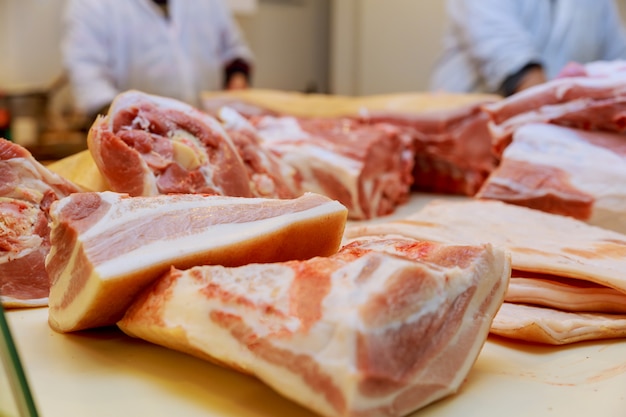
(614, 45)
(495, 40)
(233, 44)
(86, 54)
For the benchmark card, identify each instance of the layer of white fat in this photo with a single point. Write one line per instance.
(189, 309)
(595, 170)
(66, 317)
(213, 237)
(309, 158)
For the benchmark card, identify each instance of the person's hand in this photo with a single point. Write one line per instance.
(532, 77)
(237, 81)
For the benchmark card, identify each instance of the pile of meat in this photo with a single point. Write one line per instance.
(562, 146)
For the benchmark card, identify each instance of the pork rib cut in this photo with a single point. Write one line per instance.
(107, 246)
(27, 188)
(382, 328)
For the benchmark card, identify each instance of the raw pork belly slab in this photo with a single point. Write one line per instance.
(149, 145)
(382, 328)
(365, 167)
(27, 188)
(106, 247)
(452, 147)
(590, 103)
(556, 327)
(564, 171)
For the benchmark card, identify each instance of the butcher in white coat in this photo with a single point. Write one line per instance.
(175, 48)
(503, 46)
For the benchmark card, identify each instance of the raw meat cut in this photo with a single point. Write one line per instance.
(27, 188)
(382, 328)
(538, 241)
(590, 103)
(452, 147)
(365, 167)
(149, 145)
(107, 246)
(564, 294)
(269, 175)
(564, 171)
(555, 327)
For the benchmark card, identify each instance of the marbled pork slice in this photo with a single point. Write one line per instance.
(382, 328)
(106, 246)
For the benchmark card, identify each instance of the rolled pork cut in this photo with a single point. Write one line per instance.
(382, 328)
(106, 247)
(148, 145)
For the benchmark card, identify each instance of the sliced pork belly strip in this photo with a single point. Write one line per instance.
(108, 246)
(384, 327)
(365, 167)
(148, 145)
(538, 241)
(27, 188)
(555, 327)
(581, 102)
(564, 171)
(565, 294)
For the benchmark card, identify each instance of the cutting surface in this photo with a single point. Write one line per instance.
(106, 373)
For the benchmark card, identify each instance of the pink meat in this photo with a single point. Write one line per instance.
(591, 103)
(107, 246)
(27, 189)
(382, 328)
(269, 175)
(366, 167)
(137, 149)
(452, 148)
(565, 171)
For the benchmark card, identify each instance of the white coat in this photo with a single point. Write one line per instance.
(488, 40)
(116, 45)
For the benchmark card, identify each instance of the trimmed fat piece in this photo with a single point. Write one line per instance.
(149, 145)
(106, 247)
(382, 328)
